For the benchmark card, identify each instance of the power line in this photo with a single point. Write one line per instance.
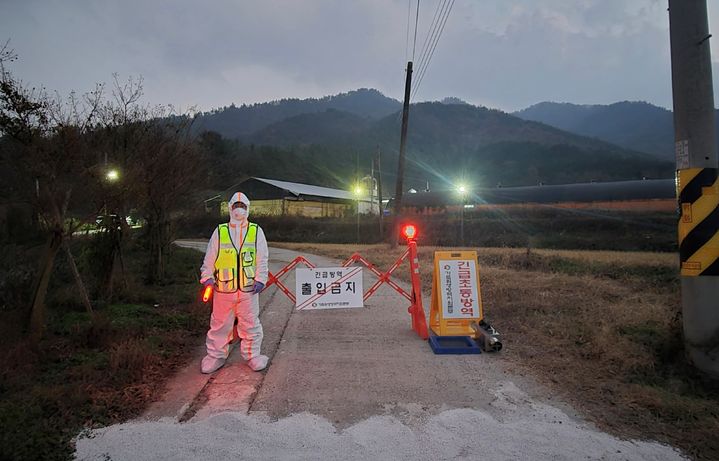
(430, 33)
(406, 42)
(416, 21)
(434, 46)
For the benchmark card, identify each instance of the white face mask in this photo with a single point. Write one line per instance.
(239, 214)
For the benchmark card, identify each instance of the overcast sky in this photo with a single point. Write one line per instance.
(505, 54)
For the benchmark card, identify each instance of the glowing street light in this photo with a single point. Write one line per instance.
(358, 193)
(112, 175)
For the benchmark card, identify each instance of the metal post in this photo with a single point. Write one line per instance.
(379, 194)
(416, 310)
(697, 185)
(357, 192)
(402, 145)
(461, 222)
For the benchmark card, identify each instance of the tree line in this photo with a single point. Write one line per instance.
(71, 159)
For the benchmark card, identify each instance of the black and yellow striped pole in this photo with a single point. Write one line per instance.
(697, 185)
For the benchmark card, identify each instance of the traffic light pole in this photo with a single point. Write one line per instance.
(697, 184)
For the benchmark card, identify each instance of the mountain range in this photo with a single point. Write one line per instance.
(233, 122)
(449, 141)
(633, 125)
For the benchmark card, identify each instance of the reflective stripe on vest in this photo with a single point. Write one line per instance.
(227, 276)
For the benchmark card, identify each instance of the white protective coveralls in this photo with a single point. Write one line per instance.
(245, 306)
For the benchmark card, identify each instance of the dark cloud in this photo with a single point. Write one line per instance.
(502, 53)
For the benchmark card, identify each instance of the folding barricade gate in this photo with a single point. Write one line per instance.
(488, 337)
(416, 311)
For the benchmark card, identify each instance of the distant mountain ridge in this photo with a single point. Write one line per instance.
(330, 138)
(634, 125)
(235, 122)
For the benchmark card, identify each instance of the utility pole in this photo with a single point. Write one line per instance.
(358, 191)
(697, 185)
(402, 146)
(379, 193)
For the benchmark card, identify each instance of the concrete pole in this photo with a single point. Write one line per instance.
(402, 145)
(379, 193)
(461, 222)
(697, 185)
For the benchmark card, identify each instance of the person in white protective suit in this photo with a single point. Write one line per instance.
(236, 264)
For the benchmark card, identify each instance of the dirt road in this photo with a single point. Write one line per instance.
(357, 384)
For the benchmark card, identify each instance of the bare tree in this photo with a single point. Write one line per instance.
(161, 164)
(48, 140)
(61, 149)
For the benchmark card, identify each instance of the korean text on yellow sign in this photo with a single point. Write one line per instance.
(456, 297)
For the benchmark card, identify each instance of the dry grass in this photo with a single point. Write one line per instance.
(600, 329)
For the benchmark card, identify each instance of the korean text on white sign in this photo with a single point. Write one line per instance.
(328, 288)
(458, 289)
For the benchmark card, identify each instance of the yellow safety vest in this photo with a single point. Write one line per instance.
(228, 278)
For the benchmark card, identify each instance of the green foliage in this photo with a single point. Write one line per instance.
(536, 227)
(16, 276)
(230, 162)
(79, 374)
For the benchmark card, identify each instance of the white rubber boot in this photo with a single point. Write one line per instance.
(258, 363)
(211, 364)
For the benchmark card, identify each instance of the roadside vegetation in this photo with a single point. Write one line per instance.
(515, 226)
(601, 329)
(94, 313)
(88, 372)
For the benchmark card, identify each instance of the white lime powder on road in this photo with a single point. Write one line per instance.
(515, 427)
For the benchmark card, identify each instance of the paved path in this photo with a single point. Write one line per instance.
(357, 378)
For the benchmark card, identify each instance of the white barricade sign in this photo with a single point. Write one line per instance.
(328, 288)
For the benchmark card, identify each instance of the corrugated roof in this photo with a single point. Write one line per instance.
(308, 189)
(584, 192)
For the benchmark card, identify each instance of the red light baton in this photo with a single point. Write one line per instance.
(207, 293)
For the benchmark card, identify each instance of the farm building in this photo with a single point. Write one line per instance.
(282, 198)
(645, 195)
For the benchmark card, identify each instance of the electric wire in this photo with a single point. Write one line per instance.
(429, 37)
(416, 21)
(430, 33)
(434, 46)
(406, 42)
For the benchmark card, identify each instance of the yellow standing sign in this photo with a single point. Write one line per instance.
(456, 298)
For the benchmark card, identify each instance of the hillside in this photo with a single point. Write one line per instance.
(331, 127)
(234, 122)
(446, 143)
(635, 125)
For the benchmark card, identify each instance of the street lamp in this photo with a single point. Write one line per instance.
(358, 193)
(462, 190)
(112, 175)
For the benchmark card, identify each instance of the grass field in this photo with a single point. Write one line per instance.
(601, 329)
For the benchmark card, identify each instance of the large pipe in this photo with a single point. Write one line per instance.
(487, 335)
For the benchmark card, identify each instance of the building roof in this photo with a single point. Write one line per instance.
(298, 189)
(583, 192)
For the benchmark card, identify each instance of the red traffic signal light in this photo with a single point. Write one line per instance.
(409, 231)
